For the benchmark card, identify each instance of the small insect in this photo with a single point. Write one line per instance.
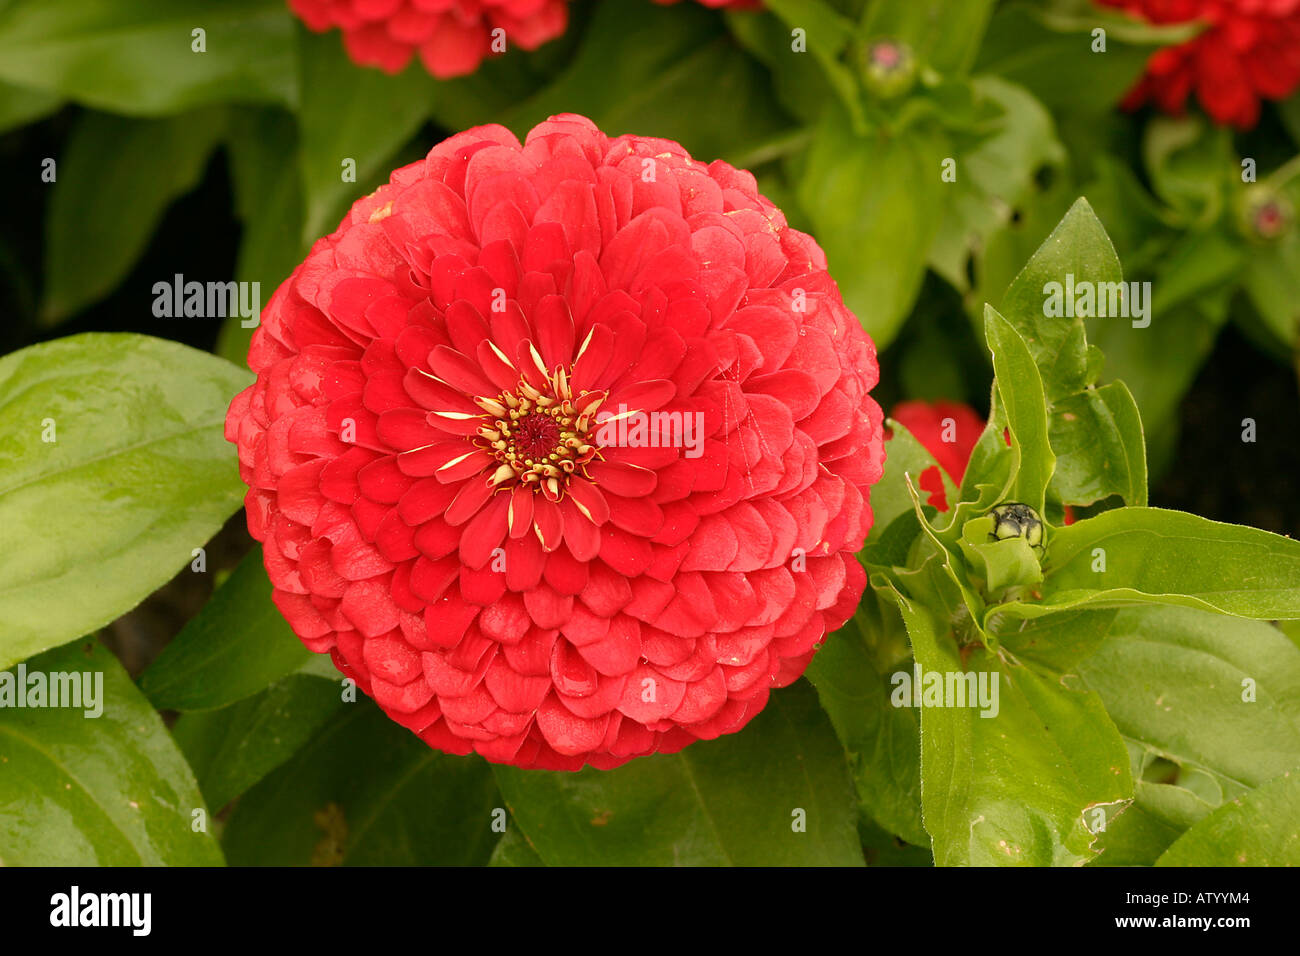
(1012, 519)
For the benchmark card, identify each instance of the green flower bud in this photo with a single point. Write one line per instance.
(888, 67)
(1264, 214)
(1015, 520)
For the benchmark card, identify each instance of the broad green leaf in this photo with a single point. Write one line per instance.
(637, 65)
(1217, 697)
(1129, 556)
(513, 850)
(735, 800)
(366, 791)
(238, 645)
(347, 114)
(1098, 440)
(854, 674)
(1261, 828)
(1078, 250)
(1013, 780)
(995, 177)
(1021, 390)
(828, 36)
(20, 105)
(876, 235)
(110, 790)
(799, 81)
(138, 58)
(138, 476)
(233, 748)
(116, 178)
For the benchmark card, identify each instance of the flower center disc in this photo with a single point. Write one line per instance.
(536, 435)
(540, 436)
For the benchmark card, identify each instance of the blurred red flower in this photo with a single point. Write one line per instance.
(1249, 49)
(451, 36)
(948, 431)
(445, 506)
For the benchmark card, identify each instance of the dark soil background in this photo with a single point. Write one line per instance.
(1213, 472)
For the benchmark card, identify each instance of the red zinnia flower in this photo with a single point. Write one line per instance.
(451, 36)
(949, 432)
(445, 505)
(1249, 49)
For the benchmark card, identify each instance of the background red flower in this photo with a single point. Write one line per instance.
(933, 424)
(440, 510)
(452, 37)
(1249, 49)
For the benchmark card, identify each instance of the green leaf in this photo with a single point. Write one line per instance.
(1129, 556)
(366, 791)
(1217, 698)
(828, 36)
(349, 114)
(20, 106)
(1097, 436)
(996, 177)
(1021, 391)
(148, 163)
(799, 81)
(233, 748)
(876, 236)
(139, 475)
(1079, 248)
(638, 64)
(238, 645)
(111, 790)
(1014, 787)
(513, 850)
(1261, 828)
(734, 800)
(138, 58)
(854, 676)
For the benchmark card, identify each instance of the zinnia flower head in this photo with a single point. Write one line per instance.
(450, 467)
(949, 431)
(1249, 49)
(452, 37)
